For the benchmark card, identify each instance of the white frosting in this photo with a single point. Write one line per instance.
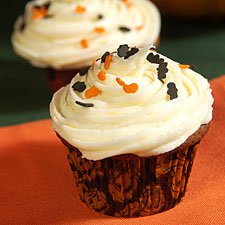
(55, 41)
(144, 123)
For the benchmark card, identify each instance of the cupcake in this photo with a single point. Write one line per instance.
(131, 127)
(65, 36)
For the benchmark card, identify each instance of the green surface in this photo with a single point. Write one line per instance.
(23, 91)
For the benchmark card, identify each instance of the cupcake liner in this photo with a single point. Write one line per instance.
(59, 78)
(131, 186)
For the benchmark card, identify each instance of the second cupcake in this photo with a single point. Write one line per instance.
(66, 36)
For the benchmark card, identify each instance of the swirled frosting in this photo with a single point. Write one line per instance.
(145, 104)
(68, 34)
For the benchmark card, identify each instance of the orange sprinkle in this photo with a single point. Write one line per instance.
(92, 92)
(120, 82)
(84, 43)
(128, 3)
(140, 27)
(130, 88)
(93, 64)
(108, 61)
(102, 75)
(38, 13)
(80, 9)
(182, 66)
(99, 30)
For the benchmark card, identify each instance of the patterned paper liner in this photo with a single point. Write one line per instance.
(131, 186)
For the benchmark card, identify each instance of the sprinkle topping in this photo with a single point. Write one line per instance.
(162, 70)
(83, 71)
(104, 56)
(22, 26)
(128, 88)
(100, 16)
(47, 5)
(128, 3)
(153, 48)
(93, 64)
(140, 27)
(154, 58)
(85, 104)
(108, 61)
(38, 12)
(131, 88)
(99, 30)
(172, 90)
(80, 9)
(92, 92)
(122, 50)
(124, 29)
(102, 75)
(79, 86)
(133, 51)
(120, 82)
(84, 43)
(182, 66)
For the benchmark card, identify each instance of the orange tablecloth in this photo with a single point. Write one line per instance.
(37, 187)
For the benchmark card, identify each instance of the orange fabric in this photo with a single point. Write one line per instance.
(37, 187)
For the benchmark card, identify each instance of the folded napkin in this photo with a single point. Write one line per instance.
(37, 186)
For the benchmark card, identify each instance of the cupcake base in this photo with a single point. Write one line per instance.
(59, 78)
(133, 186)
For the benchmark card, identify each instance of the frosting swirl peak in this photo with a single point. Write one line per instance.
(131, 101)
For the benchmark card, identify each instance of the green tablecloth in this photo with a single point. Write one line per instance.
(23, 91)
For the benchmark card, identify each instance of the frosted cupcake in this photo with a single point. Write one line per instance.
(131, 127)
(65, 36)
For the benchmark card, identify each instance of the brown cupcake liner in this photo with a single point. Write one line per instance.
(131, 186)
(60, 78)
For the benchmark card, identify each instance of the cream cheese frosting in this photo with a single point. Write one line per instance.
(68, 34)
(145, 104)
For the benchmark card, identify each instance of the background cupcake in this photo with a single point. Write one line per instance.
(131, 127)
(66, 36)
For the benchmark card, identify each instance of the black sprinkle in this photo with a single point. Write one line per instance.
(37, 6)
(153, 48)
(79, 86)
(162, 70)
(172, 90)
(100, 16)
(22, 26)
(47, 5)
(104, 56)
(122, 50)
(131, 52)
(83, 71)
(124, 29)
(154, 58)
(85, 104)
